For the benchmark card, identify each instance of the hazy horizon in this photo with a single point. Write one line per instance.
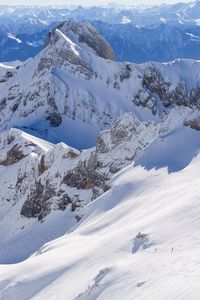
(88, 2)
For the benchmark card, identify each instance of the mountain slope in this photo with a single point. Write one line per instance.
(40, 179)
(159, 262)
(74, 87)
(116, 221)
(44, 185)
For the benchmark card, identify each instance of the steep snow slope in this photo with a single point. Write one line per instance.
(4, 68)
(105, 256)
(38, 178)
(43, 184)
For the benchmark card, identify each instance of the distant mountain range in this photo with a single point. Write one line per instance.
(159, 33)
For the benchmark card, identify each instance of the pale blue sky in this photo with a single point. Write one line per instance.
(88, 2)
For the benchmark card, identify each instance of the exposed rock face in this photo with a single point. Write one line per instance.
(155, 88)
(7, 76)
(195, 97)
(120, 145)
(14, 149)
(49, 177)
(194, 124)
(84, 176)
(36, 201)
(55, 119)
(85, 33)
(14, 155)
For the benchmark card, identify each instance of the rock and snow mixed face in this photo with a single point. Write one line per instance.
(140, 239)
(38, 179)
(74, 87)
(46, 176)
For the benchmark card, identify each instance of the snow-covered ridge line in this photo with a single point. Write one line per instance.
(71, 44)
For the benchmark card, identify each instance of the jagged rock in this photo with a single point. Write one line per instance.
(155, 83)
(7, 76)
(155, 88)
(55, 119)
(125, 72)
(84, 176)
(123, 142)
(64, 178)
(64, 202)
(14, 155)
(44, 64)
(194, 124)
(37, 203)
(195, 97)
(86, 34)
(42, 167)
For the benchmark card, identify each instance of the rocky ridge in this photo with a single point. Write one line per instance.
(75, 78)
(50, 176)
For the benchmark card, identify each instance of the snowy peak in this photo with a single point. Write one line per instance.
(68, 90)
(80, 36)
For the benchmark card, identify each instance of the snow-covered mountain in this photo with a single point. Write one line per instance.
(73, 88)
(113, 220)
(106, 257)
(141, 233)
(137, 34)
(163, 41)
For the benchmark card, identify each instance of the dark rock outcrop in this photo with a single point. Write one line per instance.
(194, 124)
(14, 155)
(156, 88)
(38, 201)
(55, 119)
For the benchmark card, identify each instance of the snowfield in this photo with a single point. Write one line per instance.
(105, 256)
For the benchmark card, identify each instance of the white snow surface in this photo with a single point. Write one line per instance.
(4, 68)
(105, 257)
(12, 37)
